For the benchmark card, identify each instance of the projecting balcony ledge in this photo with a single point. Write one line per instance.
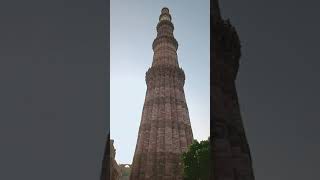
(161, 39)
(163, 22)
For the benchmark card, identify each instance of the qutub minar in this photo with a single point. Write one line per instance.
(165, 129)
(230, 153)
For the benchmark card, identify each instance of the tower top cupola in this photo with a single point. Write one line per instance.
(165, 15)
(165, 10)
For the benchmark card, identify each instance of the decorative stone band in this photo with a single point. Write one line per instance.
(165, 22)
(161, 71)
(166, 100)
(165, 46)
(174, 92)
(161, 84)
(161, 59)
(165, 39)
(166, 123)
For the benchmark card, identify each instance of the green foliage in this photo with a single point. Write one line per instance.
(196, 161)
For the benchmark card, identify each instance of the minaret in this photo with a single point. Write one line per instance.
(230, 152)
(165, 129)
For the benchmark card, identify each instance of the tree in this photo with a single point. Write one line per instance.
(196, 161)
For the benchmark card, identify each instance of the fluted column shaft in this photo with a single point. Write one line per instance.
(165, 129)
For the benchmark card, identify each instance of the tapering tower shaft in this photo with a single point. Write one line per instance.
(230, 152)
(165, 130)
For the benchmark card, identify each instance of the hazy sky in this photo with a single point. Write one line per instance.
(133, 29)
(278, 84)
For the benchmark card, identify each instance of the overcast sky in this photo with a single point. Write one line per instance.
(133, 29)
(278, 84)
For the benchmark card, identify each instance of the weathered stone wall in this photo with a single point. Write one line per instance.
(165, 129)
(115, 171)
(125, 171)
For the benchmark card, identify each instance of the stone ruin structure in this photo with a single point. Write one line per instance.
(230, 152)
(125, 171)
(165, 129)
(111, 170)
(115, 171)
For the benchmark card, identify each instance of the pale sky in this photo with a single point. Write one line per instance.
(133, 29)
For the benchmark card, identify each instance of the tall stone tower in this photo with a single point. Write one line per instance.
(165, 129)
(230, 152)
